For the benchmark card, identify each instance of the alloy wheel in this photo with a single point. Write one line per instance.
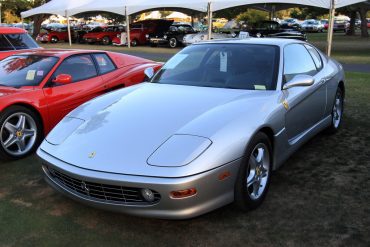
(337, 109)
(18, 134)
(258, 171)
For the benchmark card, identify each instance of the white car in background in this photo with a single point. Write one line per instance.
(202, 36)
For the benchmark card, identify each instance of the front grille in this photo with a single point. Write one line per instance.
(102, 192)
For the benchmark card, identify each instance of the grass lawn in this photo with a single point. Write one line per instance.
(346, 49)
(320, 197)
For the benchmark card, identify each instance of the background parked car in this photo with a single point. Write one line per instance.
(103, 36)
(340, 26)
(54, 35)
(291, 23)
(48, 84)
(173, 37)
(312, 26)
(274, 29)
(202, 36)
(139, 31)
(14, 40)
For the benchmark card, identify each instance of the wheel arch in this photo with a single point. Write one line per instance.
(342, 87)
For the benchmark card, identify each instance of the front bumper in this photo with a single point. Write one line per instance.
(212, 192)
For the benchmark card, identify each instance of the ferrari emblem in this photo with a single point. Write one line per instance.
(19, 134)
(286, 104)
(92, 155)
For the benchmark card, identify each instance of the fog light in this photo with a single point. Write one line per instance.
(148, 195)
(183, 193)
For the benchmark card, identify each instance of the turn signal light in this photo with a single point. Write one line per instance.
(183, 193)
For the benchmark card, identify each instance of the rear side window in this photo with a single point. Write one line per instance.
(104, 63)
(297, 61)
(4, 44)
(315, 56)
(80, 67)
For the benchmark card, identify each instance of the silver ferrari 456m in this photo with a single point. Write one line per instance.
(207, 130)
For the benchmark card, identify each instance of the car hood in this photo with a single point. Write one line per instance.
(118, 132)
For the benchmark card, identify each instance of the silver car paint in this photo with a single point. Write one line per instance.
(125, 127)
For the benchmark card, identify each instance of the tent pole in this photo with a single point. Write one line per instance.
(69, 29)
(209, 20)
(128, 28)
(22, 20)
(331, 27)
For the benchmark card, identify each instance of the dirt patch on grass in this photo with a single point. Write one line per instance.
(3, 194)
(60, 209)
(90, 222)
(20, 202)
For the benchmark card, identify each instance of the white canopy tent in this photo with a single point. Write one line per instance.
(129, 7)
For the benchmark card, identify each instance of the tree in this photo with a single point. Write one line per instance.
(230, 13)
(253, 16)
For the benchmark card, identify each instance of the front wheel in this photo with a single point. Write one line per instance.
(254, 173)
(20, 133)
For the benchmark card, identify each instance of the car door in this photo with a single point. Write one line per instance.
(305, 105)
(86, 84)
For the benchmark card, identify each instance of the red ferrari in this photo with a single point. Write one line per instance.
(15, 40)
(37, 89)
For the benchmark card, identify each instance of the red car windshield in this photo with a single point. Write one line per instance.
(19, 41)
(19, 71)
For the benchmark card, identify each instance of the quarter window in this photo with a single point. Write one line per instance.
(297, 61)
(80, 67)
(104, 63)
(315, 56)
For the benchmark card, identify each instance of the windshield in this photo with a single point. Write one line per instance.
(236, 66)
(19, 71)
(16, 42)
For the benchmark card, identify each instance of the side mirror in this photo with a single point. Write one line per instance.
(149, 73)
(63, 79)
(299, 81)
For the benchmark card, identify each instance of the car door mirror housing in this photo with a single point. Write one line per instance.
(299, 81)
(63, 79)
(149, 73)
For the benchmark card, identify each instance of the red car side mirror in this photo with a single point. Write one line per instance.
(63, 79)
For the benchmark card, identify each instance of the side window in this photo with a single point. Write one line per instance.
(315, 56)
(297, 61)
(104, 63)
(80, 67)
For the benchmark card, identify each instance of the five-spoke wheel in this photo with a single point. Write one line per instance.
(254, 173)
(19, 132)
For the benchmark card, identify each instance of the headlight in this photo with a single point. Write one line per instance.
(202, 37)
(165, 37)
(179, 150)
(63, 130)
(147, 36)
(118, 35)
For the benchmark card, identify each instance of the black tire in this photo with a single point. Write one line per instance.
(106, 40)
(173, 42)
(335, 126)
(134, 43)
(44, 42)
(54, 40)
(32, 142)
(243, 197)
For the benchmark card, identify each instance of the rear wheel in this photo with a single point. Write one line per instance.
(54, 39)
(173, 42)
(254, 174)
(20, 132)
(134, 42)
(337, 112)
